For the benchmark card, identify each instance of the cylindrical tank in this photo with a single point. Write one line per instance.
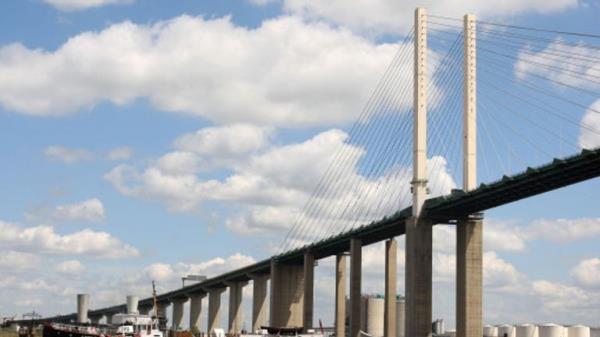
(83, 305)
(595, 332)
(578, 331)
(490, 331)
(400, 312)
(551, 330)
(374, 315)
(526, 330)
(438, 327)
(506, 330)
(132, 304)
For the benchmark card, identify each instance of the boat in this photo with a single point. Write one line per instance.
(73, 330)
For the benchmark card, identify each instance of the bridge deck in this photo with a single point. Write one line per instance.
(533, 181)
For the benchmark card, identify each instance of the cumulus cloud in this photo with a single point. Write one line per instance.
(70, 267)
(120, 153)
(272, 185)
(76, 5)
(67, 155)
(285, 72)
(91, 210)
(587, 272)
(562, 230)
(389, 16)
(44, 239)
(589, 136)
(17, 261)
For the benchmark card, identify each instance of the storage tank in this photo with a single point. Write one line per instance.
(438, 327)
(400, 312)
(490, 331)
(526, 330)
(373, 315)
(595, 332)
(551, 330)
(83, 305)
(506, 330)
(578, 331)
(132, 304)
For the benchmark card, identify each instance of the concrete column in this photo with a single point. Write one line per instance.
(287, 294)
(108, 316)
(177, 317)
(235, 306)
(132, 304)
(340, 295)
(309, 286)
(418, 277)
(161, 308)
(196, 310)
(355, 286)
(83, 305)
(419, 182)
(95, 320)
(214, 309)
(259, 301)
(389, 317)
(469, 262)
(469, 105)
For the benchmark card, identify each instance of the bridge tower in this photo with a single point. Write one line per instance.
(469, 231)
(419, 229)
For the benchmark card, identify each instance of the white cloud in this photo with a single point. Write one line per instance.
(271, 185)
(76, 5)
(120, 153)
(67, 155)
(589, 136)
(91, 210)
(285, 72)
(16, 261)
(29, 302)
(390, 16)
(562, 230)
(558, 297)
(43, 239)
(70, 267)
(587, 272)
(159, 271)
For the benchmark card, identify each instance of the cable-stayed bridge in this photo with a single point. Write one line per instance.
(458, 93)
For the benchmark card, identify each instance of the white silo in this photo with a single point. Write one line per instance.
(506, 330)
(83, 305)
(526, 330)
(551, 330)
(374, 315)
(490, 331)
(578, 331)
(400, 312)
(595, 332)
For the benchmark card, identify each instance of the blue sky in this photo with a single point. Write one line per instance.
(150, 139)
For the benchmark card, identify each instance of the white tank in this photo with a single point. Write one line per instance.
(551, 330)
(526, 330)
(374, 316)
(132, 304)
(578, 331)
(506, 330)
(83, 305)
(400, 312)
(595, 332)
(490, 331)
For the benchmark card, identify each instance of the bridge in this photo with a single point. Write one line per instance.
(289, 276)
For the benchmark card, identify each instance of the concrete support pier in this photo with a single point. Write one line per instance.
(418, 277)
(287, 294)
(389, 316)
(259, 301)
(214, 309)
(177, 318)
(235, 306)
(196, 310)
(355, 286)
(309, 285)
(469, 277)
(340, 295)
